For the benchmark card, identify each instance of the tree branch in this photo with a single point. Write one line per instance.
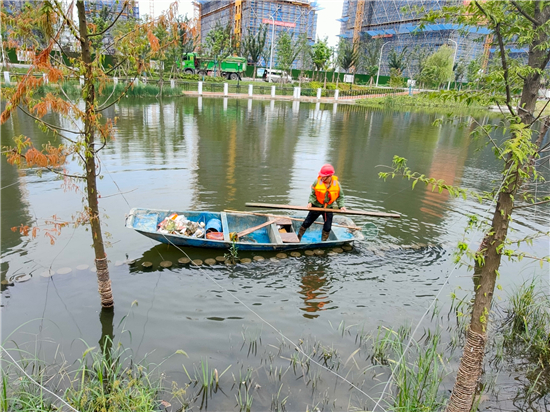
(527, 16)
(51, 126)
(116, 66)
(505, 68)
(540, 113)
(489, 137)
(531, 204)
(502, 56)
(100, 109)
(72, 28)
(49, 168)
(112, 24)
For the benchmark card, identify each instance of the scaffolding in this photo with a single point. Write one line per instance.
(396, 23)
(295, 17)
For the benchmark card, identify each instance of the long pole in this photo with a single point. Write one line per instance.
(321, 209)
(454, 58)
(271, 53)
(380, 62)
(288, 217)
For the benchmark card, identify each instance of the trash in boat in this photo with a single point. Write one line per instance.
(179, 225)
(214, 229)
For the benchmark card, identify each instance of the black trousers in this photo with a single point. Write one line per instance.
(312, 215)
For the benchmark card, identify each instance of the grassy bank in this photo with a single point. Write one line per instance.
(428, 100)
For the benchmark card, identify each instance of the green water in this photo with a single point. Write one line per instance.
(216, 154)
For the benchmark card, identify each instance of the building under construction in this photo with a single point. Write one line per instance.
(246, 16)
(396, 23)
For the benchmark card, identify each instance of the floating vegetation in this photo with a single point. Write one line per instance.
(233, 255)
(319, 252)
(309, 252)
(295, 254)
(281, 255)
(184, 260)
(147, 265)
(82, 267)
(258, 258)
(220, 259)
(197, 262)
(245, 260)
(347, 248)
(331, 253)
(64, 271)
(166, 264)
(210, 262)
(337, 250)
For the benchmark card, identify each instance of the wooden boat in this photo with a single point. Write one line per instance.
(256, 232)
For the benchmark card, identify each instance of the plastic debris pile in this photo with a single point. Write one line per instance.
(179, 225)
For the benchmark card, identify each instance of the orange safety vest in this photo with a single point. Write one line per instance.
(321, 191)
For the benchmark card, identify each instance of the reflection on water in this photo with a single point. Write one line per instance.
(216, 154)
(314, 291)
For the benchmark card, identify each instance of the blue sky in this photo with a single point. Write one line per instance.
(327, 26)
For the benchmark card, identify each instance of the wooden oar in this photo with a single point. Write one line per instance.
(320, 209)
(253, 229)
(290, 218)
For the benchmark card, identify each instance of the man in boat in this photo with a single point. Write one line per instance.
(326, 193)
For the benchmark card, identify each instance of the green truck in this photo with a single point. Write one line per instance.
(232, 68)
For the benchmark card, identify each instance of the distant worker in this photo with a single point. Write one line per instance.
(325, 193)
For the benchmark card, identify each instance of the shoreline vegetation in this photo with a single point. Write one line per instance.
(441, 101)
(108, 378)
(431, 101)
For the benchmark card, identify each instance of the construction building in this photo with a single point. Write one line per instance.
(111, 8)
(245, 16)
(396, 23)
(108, 10)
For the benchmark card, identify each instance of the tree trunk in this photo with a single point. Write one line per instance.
(103, 280)
(485, 277)
(485, 274)
(325, 84)
(254, 73)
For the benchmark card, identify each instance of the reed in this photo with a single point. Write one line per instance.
(524, 343)
(526, 327)
(418, 373)
(109, 380)
(105, 380)
(253, 339)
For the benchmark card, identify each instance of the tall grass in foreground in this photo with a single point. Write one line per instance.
(104, 380)
(525, 343)
(417, 373)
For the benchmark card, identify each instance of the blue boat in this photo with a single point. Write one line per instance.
(257, 232)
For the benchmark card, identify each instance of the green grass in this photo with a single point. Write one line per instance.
(432, 100)
(418, 373)
(104, 379)
(526, 328)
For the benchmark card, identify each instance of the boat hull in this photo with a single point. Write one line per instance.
(145, 221)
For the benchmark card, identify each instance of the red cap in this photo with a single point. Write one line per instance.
(326, 170)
